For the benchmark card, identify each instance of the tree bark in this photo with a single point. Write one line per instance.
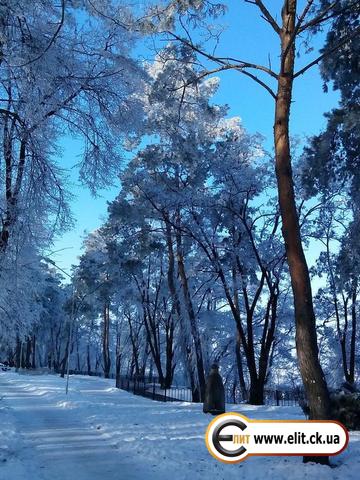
(353, 332)
(106, 335)
(88, 359)
(306, 337)
(28, 354)
(118, 356)
(13, 182)
(256, 392)
(66, 354)
(135, 349)
(240, 366)
(18, 353)
(177, 307)
(33, 360)
(169, 365)
(192, 318)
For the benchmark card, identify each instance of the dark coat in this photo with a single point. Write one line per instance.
(214, 402)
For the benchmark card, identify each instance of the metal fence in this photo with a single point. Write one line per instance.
(284, 397)
(145, 386)
(149, 387)
(276, 396)
(90, 374)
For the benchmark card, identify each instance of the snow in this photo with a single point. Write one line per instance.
(100, 432)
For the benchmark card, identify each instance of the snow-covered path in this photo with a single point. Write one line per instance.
(98, 432)
(59, 442)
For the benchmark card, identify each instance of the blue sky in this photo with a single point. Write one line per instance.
(247, 37)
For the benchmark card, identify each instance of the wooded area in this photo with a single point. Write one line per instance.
(202, 257)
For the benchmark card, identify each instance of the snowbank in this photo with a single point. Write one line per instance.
(136, 436)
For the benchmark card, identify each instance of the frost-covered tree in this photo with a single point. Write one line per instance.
(332, 158)
(95, 286)
(338, 265)
(330, 173)
(193, 193)
(64, 69)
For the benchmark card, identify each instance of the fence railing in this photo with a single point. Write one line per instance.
(275, 396)
(149, 387)
(284, 397)
(145, 386)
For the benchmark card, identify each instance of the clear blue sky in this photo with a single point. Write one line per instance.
(249, 38)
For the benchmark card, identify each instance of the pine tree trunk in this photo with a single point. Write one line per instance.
(66, 355)
(177, 309)
(169, 366)
(33, 360)
(88, 359)
(306, 337)
(28, 354)
(353, 333)
(106, 332)
(192, 318)
(18, 354)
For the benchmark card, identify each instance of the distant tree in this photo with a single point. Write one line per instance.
(95, 285)
(338, 263)
(331, 165)
(50, 331)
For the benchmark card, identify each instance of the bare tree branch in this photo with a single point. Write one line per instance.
(260, 82)
(326, 14)
(328, 52)
(230, 67)
(266, 14)
(5, 112)
(223, 60)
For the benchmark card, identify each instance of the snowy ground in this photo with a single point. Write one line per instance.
(101, 433)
